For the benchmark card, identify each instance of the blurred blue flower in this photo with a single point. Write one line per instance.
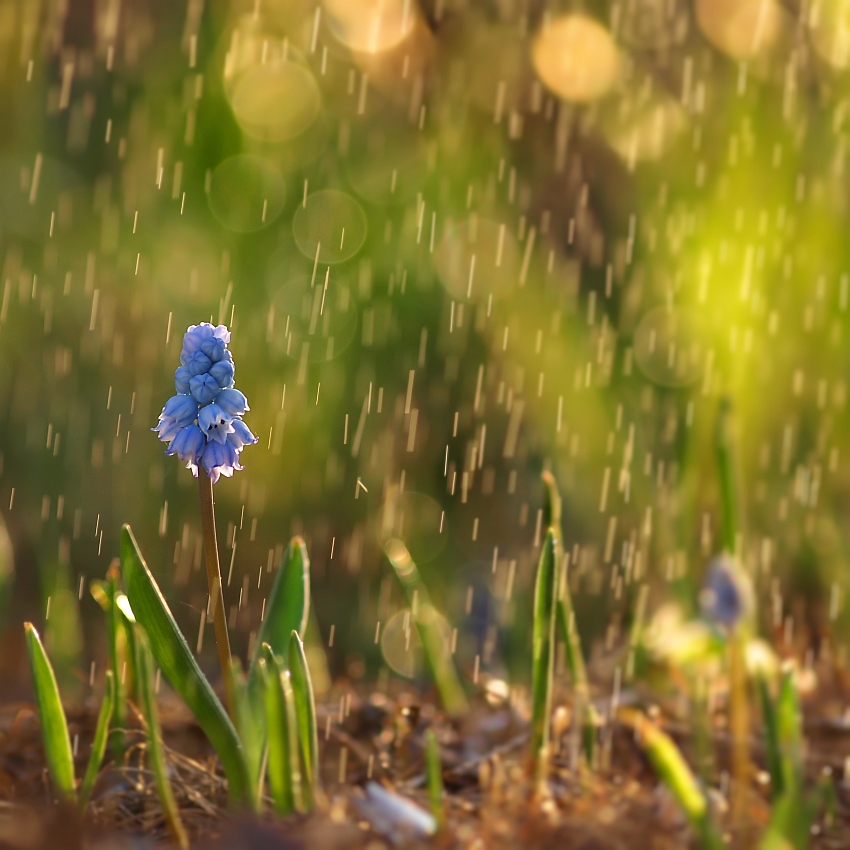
(202, 423)
(726, 597)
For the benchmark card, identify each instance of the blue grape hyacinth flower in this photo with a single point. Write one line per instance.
(202, 423)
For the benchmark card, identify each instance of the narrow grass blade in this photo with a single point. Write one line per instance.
(282, 734)
(249, 724)
(773, 750)
(54, 726)
(305, 715)
(128, 631)
(565, 618)
(726, 472)
(674, 772)
(174, 657)
(543, 656)
(789, 734)
(434, 770)
(156, 751)
(437, 654)
(289, 601)
(104, 593)
(101, 735)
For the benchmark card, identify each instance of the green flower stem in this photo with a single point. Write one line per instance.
(222, 639)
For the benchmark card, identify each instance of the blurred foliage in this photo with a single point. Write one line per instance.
(457, 243)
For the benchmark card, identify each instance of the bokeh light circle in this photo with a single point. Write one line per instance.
(417, 520)
(309, 321)
(332, 222)
(668, 347)
(576, 58)
(370, 26)
(742, 29)
(401, 645)
(478, 258)
(276, 102)
(246, 193)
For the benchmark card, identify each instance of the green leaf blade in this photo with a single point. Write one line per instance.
(545, 596)
(101, 735)
(174, 657)
(289, 601)
(305, 715)
(282, 735)
(54, 726)
(426, 617)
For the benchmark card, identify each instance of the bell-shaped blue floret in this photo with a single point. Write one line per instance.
(220, 459)
(223, 373)
(198, 363)
(215, 423)
(204, 388)
(182, 408)
(214, 348)
(240, 435)
(232, 402)
(188, 444)
(182, 376)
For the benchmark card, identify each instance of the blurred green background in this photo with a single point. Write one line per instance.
(456, 243)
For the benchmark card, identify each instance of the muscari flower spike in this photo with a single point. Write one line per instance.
(202, 423)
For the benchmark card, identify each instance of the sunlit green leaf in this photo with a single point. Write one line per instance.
(674, 772)
(305, 714)
(174, 657)
(288, 603)
(54, 726)
(282, 734)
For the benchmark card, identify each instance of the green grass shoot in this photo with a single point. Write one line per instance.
(437, 652)
(674, 772)
(174, 657)
(288, 603)
(156, 750)
(434, 771)
(105, 593)
(566, 626)
(101, 736)
(543, 655)
(305, 716)
(250, 725)
(284, 770)
(54, 726)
